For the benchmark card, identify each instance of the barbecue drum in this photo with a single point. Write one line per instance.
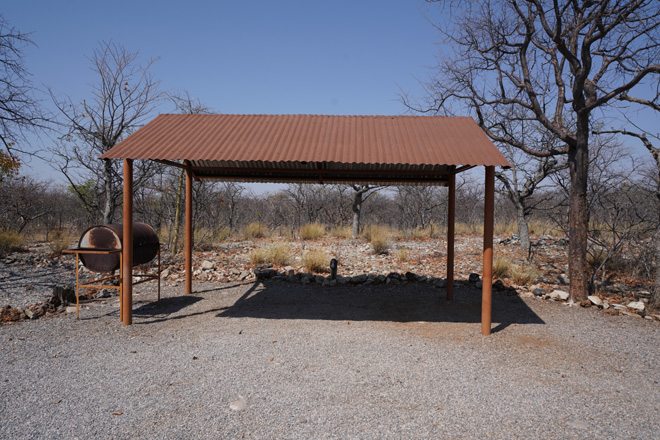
(110, 237)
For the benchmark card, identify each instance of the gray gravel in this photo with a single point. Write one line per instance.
(311, 362)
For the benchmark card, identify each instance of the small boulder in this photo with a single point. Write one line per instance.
(539, 292)
(636, 305)
(558, 295)
(474, 277)
(563, 279)
(411, 276)
(207, 265)
(595, 300)
(359, 279)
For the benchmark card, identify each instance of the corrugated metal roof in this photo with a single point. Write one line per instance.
(248, 146)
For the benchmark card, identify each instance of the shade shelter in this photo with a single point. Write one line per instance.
(385, 150)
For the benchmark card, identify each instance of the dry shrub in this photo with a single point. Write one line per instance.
(221, 234)
(258, 256)
(544, 227)
(341, 232)
(279, 254)
(469, 229)
(10, 241)
(520, 275)
(502, 268)
(433, 230)
(402, 254)
(379, 236)
(60, 241)
(316, 261)
(255, 230)
(523, 276)
(505, 228)
(311, 231)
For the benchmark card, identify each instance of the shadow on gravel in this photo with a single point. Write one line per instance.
(166, 306)
(401, 303)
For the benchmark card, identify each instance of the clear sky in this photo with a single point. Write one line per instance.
(259, 56)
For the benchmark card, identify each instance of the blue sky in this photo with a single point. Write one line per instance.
(291, 56)
(306, 57)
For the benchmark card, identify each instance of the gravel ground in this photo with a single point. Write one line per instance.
(312, 362)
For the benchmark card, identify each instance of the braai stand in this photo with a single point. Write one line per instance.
(95, 283)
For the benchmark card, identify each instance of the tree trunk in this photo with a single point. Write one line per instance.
(357, 208)
(108, 205)
(177, 212)
(578, 161)
(523, 227)
(654, 302)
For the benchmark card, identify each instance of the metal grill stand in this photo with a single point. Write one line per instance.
(94, 283)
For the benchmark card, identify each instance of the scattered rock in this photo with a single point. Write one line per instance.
(359, 279)
(539, 292)
(585, 303)
(636, 305)
(563, 279)
(474, 277)
(207, 265)
(411, 276)
(243, 275)
(238, 405)
(559, 295)
(65, 295)
(104, 293)
(71, 309)
(595, 300)
(165, 273)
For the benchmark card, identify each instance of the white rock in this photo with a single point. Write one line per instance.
(207, 265)
(164, 274)
(636, 305)
(238, 405)
(619, 307)
(558, 294)
(595, 300)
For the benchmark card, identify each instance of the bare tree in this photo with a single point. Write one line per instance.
(362, 193)
(554, 63)
(124, 97)
(20, 111)
(652, 144)
(520, 183)
(186, 104)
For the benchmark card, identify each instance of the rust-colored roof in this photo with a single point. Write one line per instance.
(246, 147)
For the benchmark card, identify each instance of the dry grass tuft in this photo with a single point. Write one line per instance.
(379, 237)
(402, 254)
(469, 229)
(221, 234)
(316, 261)
(11, 241)
(278, 254)
(433, 230)
(520, 275)
(502, 268)
(341, 232)
(524, 276)
(60, 241)
(311, 231)
(255, 230)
